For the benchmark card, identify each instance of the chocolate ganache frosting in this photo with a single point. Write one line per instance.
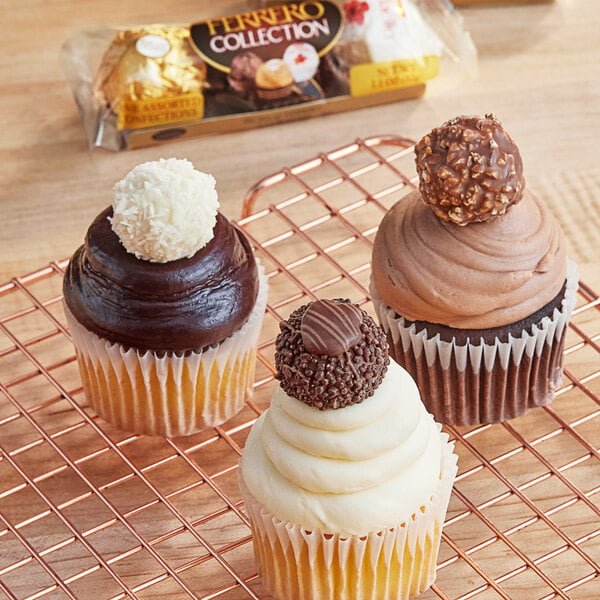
(178, 306)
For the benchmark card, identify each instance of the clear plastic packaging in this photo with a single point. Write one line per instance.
(276, 62)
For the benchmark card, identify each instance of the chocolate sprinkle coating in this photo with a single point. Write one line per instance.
(331, 328)
(469, 169)
(325, 381)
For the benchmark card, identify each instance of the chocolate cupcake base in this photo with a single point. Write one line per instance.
(472, 378)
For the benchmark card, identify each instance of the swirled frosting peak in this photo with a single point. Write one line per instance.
(485, 275)
(351, 471)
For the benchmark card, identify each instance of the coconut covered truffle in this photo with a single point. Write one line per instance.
(165, 210)
(470, 170)
(330, 354)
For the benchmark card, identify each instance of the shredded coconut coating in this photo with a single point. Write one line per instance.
(165, 210)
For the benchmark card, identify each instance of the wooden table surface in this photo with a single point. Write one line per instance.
(539, 72)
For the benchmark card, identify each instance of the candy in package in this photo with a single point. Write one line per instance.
(143, 85)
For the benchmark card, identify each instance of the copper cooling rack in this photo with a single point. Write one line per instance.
(89, 512)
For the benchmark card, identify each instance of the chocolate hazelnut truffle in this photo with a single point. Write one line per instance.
(469, 169)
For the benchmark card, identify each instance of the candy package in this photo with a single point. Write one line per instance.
(276, 62)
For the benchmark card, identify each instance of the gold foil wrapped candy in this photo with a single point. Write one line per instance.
(151, 76)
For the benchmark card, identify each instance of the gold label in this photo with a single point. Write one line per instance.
(137, 114)
(370, 78)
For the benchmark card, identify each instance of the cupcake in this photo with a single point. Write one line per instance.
(471, 281)
(346, 478)
(165, 301)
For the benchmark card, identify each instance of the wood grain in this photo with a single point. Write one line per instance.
(539, 71)
(462, 3)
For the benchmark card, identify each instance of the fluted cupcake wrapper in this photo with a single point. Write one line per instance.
(169, 395)
(478, 382)
(395, 563)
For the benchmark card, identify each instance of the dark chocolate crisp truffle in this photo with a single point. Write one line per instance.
(330, 354)
(469, 169)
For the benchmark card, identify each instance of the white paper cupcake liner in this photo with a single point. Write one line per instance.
(394, 563)
(169, 395)
(480, 382)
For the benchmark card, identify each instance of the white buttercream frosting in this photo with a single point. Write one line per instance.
(165, 210)
(349, 471)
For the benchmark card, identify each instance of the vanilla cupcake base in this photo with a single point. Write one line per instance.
(395, 563)
(169, 395)
(478, 382)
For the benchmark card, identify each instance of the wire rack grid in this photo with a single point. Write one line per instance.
(89, 512)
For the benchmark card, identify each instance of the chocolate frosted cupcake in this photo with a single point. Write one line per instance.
(346, 477)
(471, 281)
(165, 302)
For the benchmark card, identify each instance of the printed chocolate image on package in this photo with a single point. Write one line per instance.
(151, 76)
(271, 57)
(282, 61)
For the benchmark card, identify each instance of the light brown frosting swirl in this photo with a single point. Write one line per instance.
(484, 275)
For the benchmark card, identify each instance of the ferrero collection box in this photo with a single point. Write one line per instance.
(149, 84)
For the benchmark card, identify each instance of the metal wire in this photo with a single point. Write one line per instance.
(88, 512)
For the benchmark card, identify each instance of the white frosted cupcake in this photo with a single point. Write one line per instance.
(346, 477)
(165, 301)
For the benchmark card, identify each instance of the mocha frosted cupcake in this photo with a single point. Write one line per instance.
(346, 477)
(165, 301)
(471, 281)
